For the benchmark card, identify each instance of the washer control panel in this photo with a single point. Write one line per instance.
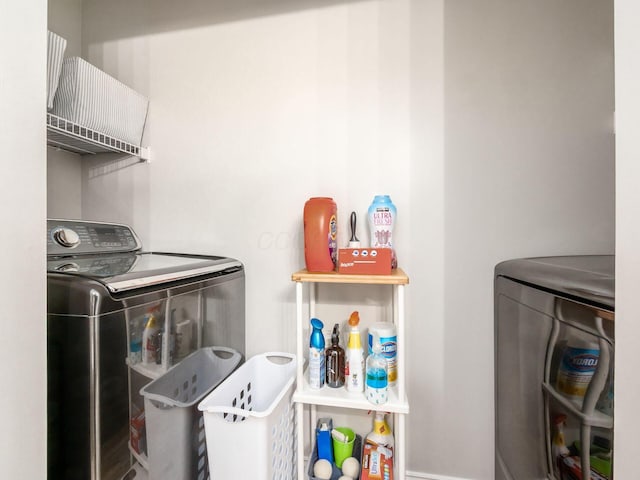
(75, 237)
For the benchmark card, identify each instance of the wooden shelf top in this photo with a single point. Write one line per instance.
(397, 277)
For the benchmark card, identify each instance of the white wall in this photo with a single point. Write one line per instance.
(487, 122)
(529, 171)
(23, 347)
(64, 169)
(627, 387)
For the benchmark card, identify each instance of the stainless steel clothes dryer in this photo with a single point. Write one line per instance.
(101, 290)
(554, 365)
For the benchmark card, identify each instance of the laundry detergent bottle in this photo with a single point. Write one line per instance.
(320, 234)
(382, 218)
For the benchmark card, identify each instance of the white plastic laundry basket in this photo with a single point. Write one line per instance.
(249, 421)
(175, 434)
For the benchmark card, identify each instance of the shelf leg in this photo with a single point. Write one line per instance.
(585, 441)
(300, 440)
(399, 321)
(299, 332)
(400, 450)
(313, 290)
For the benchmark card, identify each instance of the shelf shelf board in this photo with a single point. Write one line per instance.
(152, 371)
(75, 138)
(141, 458)
(397, 277)
(339, 397)
(140, 473)
(596, 419)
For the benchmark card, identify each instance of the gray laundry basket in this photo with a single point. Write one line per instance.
(175, 429)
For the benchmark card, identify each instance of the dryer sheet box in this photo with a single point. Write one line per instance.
(364, 261)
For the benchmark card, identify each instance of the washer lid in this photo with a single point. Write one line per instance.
(586, 277)
(128, 271)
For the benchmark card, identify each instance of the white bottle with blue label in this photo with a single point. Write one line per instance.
(382, 217)
(384, 334)
(317, 367)
(577, 366)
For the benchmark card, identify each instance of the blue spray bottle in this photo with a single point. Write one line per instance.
(317, 368)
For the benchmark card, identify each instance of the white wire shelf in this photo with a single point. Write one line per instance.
(140, 457)
(595, 419)
(75, 138)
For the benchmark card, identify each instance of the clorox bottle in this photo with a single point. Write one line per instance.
(578, 364)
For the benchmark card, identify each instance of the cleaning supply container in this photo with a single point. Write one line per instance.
(249, 421)
(385, 335)
(354, 357)
(175, 432)
(382, 218)
(336, 472)
(320, 234)
(317, 367)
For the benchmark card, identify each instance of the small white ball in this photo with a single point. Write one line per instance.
(351, 467)
(322, 469)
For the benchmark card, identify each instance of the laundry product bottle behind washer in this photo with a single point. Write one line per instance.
(150, 337)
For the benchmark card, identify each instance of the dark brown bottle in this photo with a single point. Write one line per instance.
(335, 360)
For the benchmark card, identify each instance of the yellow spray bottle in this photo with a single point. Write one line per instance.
(354, 364)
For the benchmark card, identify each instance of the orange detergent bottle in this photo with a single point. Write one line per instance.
(320, 234)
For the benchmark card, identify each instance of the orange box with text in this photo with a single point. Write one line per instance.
(364, 261)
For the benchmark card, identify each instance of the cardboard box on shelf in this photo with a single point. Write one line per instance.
(364, 261)
(570, 469)
(377, 462)
(138, 433)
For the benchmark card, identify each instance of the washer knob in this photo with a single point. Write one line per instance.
(66, 237)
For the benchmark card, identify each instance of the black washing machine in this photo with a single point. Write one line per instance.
(101, 290)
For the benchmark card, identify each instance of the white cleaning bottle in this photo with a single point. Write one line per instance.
(558, 446)
(354, 364)
(149, 338)
(577, 366)
(381, 433)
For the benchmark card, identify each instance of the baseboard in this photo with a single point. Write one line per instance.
(429, 476)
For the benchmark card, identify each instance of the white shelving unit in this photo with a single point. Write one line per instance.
(75, 138)
(397, 405)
